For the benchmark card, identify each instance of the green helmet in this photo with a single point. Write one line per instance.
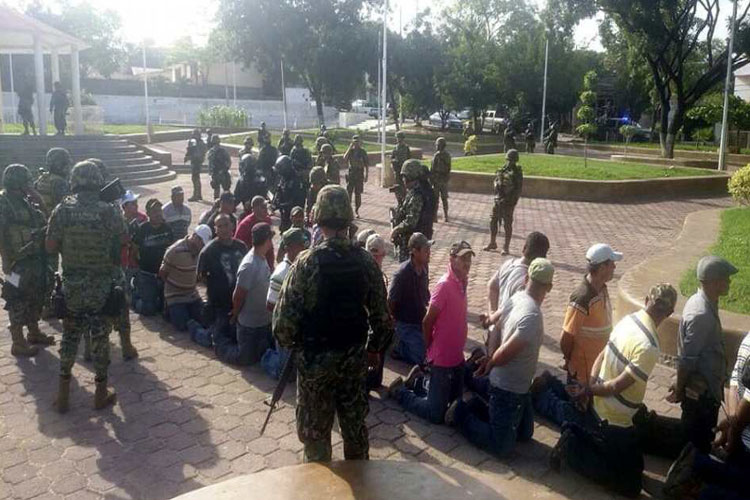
(283, 166)
(58, 161)
(285, 132)
(333, 208)
(512, 154)
(412, 170)
(326, 148)
(101, 166)
(440, 141)
(196, 132)
(248, 141)
(86, 177)
(17, 176)
(320, 141)
(298, 140)
(215, 139)
(317, 175)
(400, 134)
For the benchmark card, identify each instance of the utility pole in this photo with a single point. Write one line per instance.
(283, 91)
(727, 86)
(145, 94)
(544, 92)
(387, 177)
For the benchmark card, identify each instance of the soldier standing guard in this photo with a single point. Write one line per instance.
(219, 164)
(317, 181)
(290, 192)
(399, 155)
(529, 138)
(22, 250)
(332, 294)
(58, 106)
(550, 140)
(414, 215)
(88, 233)
(356, 158)
(247, 147)
(509, 138)
(508, 185)
(301, 160)
(285, 143)
(267, 155)
(329, 163)
(196, 154)
(264, 136)
(53, 185)
(440, 173)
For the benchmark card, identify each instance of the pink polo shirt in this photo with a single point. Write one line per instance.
(450, 330)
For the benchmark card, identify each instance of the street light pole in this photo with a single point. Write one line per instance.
(727, 85)
(386, 177)
(145, 94)
(283, 91)
(544, 92)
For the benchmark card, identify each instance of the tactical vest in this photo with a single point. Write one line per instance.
(23, 220)
(340, 319)
(424, 224)
(86, 244)
(46, 187)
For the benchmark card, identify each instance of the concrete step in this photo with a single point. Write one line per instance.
(36, 159)
(139, 174)
(141, 181)
(143, 165)
(73, 151)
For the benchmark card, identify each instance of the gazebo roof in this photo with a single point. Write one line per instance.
(17, 34)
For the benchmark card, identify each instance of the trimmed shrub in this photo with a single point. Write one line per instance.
(739, 186)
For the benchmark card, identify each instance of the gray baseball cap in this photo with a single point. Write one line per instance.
(712, 268)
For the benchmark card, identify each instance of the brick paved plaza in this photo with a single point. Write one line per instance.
(185, 420)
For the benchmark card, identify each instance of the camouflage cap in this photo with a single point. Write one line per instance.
(317, 175)
(298, 139)
(512, 154)
(326, 148)
(400, 134)
(86, 177)
(440, 141)
(294, 236)
(58, 159)
(333, 208)
(412, 170)
(664, 295)
(16, 176)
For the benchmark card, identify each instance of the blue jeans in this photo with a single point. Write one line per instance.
(410, 346)
(242, 345)
(446, 385)
(148, 294)
(511, 419)
(554, 404)
(273, 361)
(180, 314)
(724, 480)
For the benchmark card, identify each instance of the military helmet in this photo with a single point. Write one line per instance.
(196, 132)
(400, 134)
(86, 177)
(440, 141)
(512, 154)
(285, 132)
(323, 128)
(58, 160)
(320, 141)
(333, 208)
(298, 140)
(326, 148)
(262, 124)
(249, 140)
(317, 175)
(412, 170)
(101, 166)
(283, 166)
(16, 176)
(215, 139)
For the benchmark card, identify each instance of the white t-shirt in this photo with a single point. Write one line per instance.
(510, 278)
(277, 279)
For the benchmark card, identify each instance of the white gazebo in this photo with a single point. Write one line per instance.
(21, 34)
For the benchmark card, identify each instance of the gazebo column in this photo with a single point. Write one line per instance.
(75, 88)
(55, 59)
(2, 121)
(39, 76)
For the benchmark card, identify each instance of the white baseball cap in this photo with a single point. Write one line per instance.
(128, 197)
(601, 252)
(205, 233)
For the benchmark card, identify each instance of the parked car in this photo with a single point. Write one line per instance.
(611, 129)
(493, 122)
(374, 112)
(454, 122)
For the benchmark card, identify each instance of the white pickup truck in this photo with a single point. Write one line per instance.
(493, 122)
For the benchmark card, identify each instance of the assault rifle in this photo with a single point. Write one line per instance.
(286, 375)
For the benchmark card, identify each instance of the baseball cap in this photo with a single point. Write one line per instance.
(226, 196)
(601, 252)
(152, 203)
(204, 232)
(712, 268)
(262, 231)
(129, 197)
(541, 270)
(296, 211)
(419, 240)
(291, 236)
(177, 190)
(461, 248)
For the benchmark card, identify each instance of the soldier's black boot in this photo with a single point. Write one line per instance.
(20, 347)
(62, 402)
(37, 337)
(103, 397)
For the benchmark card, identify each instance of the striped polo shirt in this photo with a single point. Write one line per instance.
(742, 366)
(180, 281)
(633, 347)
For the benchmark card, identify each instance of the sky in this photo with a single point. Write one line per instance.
(163, 21)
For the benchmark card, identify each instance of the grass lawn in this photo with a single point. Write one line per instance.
(733, 245)
(339, 144)
(107, 128)
(571, 167)
(688, 146)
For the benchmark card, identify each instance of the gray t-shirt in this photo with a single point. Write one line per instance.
(253, 276)
(524, 320)
(178, 218)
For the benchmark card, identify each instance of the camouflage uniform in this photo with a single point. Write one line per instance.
(509, 139)
(330, 164)
(219, 164)
(264, 136)
(508, 185)
(530, 139)
(22, 251)
(440, 173)
(399, 155)
(88, 233)
(406, 217)
(317, 182)
(196, 154)
(285, 143)
(289, 193)
(330, 296)
(53, 185)
(267, 156)
(356, 159)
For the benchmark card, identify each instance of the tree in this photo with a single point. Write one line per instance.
(99, 28)
(587, 112)
(321, 41)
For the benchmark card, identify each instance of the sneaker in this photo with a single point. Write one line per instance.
(395, 386)
(450, 414)
(681, 480)
(411, 378)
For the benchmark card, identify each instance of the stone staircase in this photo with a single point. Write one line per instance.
(124, 160)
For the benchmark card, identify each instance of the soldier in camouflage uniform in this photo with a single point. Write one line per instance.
(356, 159)
(219, 164)
(53, 185)
(509, 138)
(414, 215)
(329, 163)
(508, 184)
(285, 143)
(267, 156)
(529, 138)
(440, 173)
(290, 192)
(301, 159)
(317, 181)
(264, 136)
(399, 155)
(324, 138)
(88, 233)
(22, 252)
(196, 155)
(247, 147)
(332, 294)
